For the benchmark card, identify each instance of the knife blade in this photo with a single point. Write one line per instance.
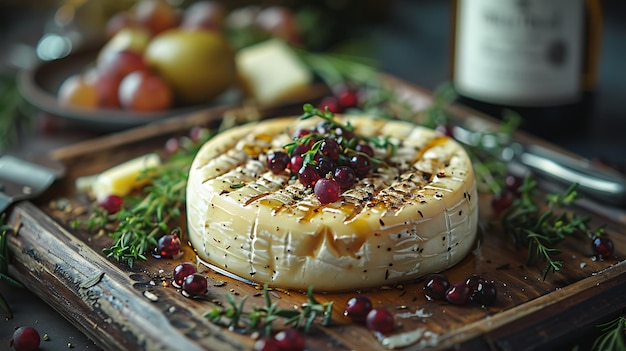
(599, 183)
(21, 180)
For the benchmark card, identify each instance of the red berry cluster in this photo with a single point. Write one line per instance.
(343, 98)
(285, 340)
(473, 289)
(504, 199)
(360, 310)
(329, 158)
(190, 282)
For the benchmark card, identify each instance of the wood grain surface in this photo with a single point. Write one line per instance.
(136, 308)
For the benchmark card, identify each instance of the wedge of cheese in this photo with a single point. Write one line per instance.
(272, 72)
(121, 179)
(396, 224)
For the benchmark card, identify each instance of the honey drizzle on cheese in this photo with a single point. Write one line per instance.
(385, 188)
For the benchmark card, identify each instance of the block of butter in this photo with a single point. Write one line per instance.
(271, 71)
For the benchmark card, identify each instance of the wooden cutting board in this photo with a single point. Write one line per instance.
(136, 308)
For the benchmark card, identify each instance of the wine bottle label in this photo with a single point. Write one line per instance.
(519, 52)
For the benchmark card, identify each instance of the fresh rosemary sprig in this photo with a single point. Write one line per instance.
(540, 229)
(235, 317)
(144, 219)
(614, 336)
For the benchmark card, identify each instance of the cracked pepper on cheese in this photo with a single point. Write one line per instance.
(396, 224)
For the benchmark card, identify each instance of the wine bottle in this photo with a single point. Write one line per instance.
(538, 58)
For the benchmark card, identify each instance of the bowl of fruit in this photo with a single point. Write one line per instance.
(157, 62)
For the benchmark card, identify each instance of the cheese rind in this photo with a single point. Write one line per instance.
(400, 223)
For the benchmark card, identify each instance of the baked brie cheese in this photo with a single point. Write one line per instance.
(414, 215)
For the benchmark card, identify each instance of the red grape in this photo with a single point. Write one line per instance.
(144, 91)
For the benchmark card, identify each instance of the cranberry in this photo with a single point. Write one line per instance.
(361, 165)
(332, 104)
(364, 148)
(301, 132)
(302, 148)
(330, 148)
(168, 246)
(380, 320)
(194, 285)
(344, 135)
(500, 202)
(325, 166)
(485, 293)
(444, 129)
(345, 177)
(326, 190)
(266, 344)
(295, 163)
(513, 184)
(289, 340)
(277, 161)
(473, 282)
(112, 204)
(603, 247)
(357, 308)
(458, 293)
(197, 133)
(181, 272)
(436, 286)
(25, 338)
(172, 145)
(347, 97)
(308, 175)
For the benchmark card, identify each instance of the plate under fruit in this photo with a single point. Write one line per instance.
(40, 84)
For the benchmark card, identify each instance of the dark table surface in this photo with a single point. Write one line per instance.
(411, 44)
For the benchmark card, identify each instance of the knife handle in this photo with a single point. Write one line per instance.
(602, 184)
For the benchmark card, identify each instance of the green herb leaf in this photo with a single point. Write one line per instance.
(614, 336)
(236, 316)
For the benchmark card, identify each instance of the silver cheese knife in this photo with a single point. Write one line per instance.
(602, 184)
(21, 180)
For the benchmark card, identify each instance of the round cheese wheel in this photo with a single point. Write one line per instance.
(400, 222)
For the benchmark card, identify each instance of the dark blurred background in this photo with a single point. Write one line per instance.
(408, 39)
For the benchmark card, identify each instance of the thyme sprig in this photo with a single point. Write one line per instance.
(613, 336)
(539, 228)
(236, 317)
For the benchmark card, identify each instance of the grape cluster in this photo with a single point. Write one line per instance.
(328, 158)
